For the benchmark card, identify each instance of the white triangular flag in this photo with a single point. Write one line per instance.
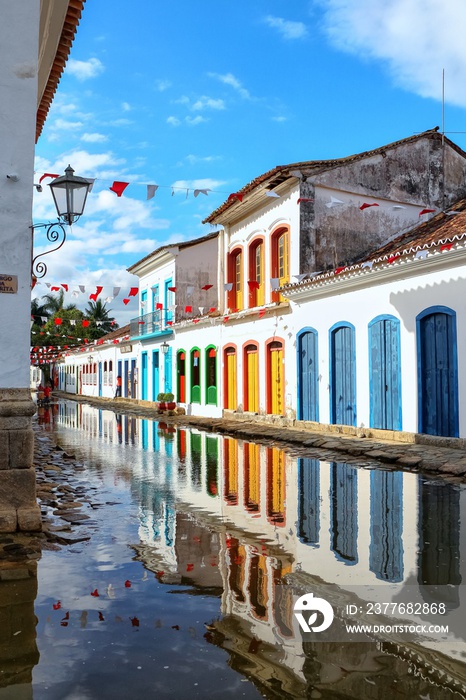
(271, 193)
(368, 264)
(197, 192)
(334, 202)
(116, 291)
(151, 190)
(300, 277)
(422, 254)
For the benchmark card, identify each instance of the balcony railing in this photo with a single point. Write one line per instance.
(147, 324)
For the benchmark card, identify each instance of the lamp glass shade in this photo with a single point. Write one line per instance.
(164, 348)
(70, 194)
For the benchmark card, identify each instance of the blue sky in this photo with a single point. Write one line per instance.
(209, 95)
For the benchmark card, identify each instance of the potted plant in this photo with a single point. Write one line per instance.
(171, 404)
(162, 404)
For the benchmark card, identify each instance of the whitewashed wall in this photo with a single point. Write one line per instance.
(18, 78)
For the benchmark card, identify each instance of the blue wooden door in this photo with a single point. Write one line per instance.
(308, 405)
(144, 377)
(343, 375)
(438, 373)
(385, 374)
(155, 375)
(100, 379)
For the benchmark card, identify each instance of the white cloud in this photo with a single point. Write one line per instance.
(65, 125)
(173, 121)
(193, 160)
(126, 107)
(229, 79)
(83, 70)
(194, 121)
(287, 28)
(205, 102)
(94, 138)
(162, 85)
(205, 183)
(279, 119)
(414, 38)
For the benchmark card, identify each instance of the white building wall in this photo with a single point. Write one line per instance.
(19, 31)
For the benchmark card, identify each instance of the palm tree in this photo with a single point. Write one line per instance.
(39, 311)
(54, 303)
(98, 314)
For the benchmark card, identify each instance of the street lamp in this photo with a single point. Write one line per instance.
(69, 195)
(165, 348)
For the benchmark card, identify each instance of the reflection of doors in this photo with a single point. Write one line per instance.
(385, 374)
(155, 374)
(251, 453)
(251, 394)
(276, 486)
(100, 379)
(276, 379)
(438, 373)
(230, 469)
(309, 500)
(181, 376)
(343, 373)
(230, 379)
(126, 388)
(307, 376)
(344, 512)
(167, 371)
(133, 380)
(144, 376)
(386, 548)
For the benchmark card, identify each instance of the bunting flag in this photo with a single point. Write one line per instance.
(85, 323)
(125, 301)
(274, 283)
(171, 289)
(366, 205)
(188, 309)
(446, 246)
(271, 193)
(334, 202)
(392, 258)
(339, 269)
(58, 321)
(54, 289)
(151, 190)
(300, 277)
(118, 187)
(228, 286)
(262, 312)
(207, 286)
(201, 310)
(82, 288)
(212, 310)
(198, 192)
(426, 211)
(116, 291)
(159, 306)
(65, 287)
(304, 199)
(189, 290)
(235, 195)
(368, 264)
(133, 291)
(253, 284)
(73, 322)
(297, 173)
(47, 175)
(421, 254)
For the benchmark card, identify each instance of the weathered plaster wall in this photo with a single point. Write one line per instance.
(409, 176)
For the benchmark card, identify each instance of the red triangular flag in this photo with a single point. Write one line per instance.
(212, 309)
(207, 286)
(85, 323)
(42, 177)
(159, 306)
(125, 301)
(253, 284)
(133, 291)
(188, 309)
(426, 211)
(65, 287)
(366, 205)
(119, 187)
(235, 195)
(171, 289)
(54, 289)
(58, 321)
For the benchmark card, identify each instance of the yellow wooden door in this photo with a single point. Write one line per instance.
(276, 380)
(231, 402)
(252, 379)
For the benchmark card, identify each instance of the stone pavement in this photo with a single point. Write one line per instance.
(415, 453)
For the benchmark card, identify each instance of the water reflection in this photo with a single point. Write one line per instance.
(241, 521)
(18, 647)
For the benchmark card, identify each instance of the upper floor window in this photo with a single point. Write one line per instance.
(256, 273)
(280, 259)
(235, 278)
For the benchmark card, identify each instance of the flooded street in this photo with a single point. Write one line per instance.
(194, 552)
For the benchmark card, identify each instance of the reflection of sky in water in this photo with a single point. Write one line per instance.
(212, 513)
